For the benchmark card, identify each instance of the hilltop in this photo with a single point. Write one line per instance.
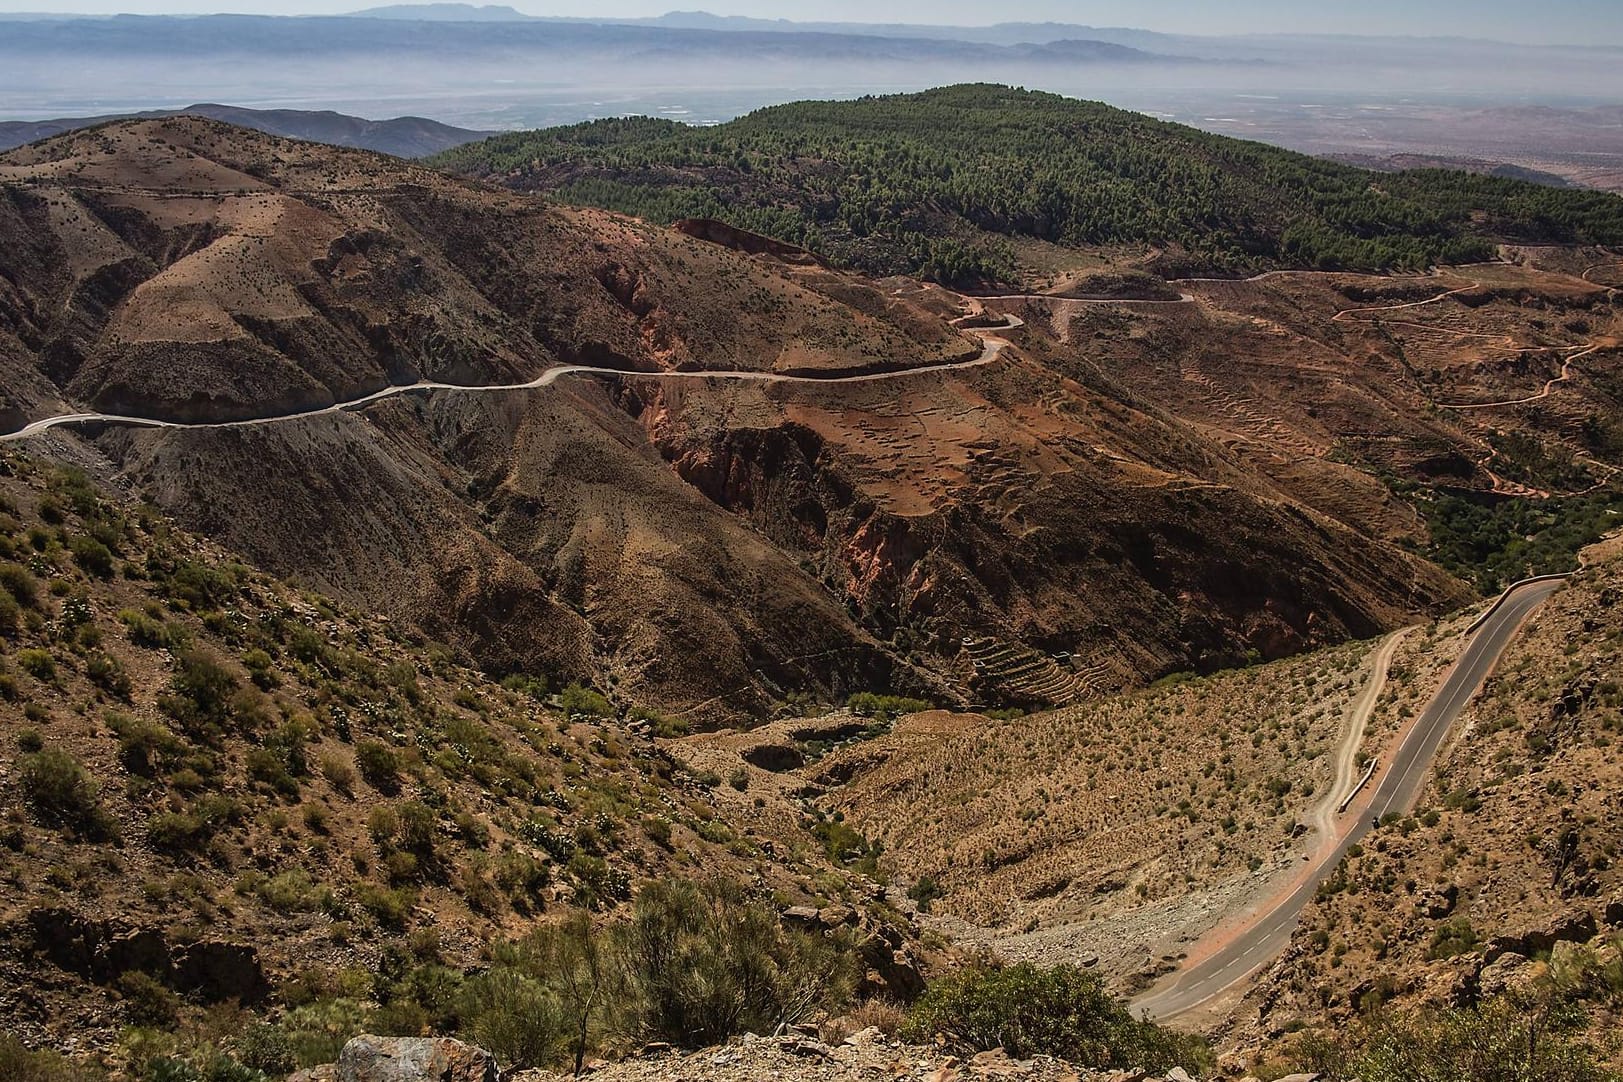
(403, 136)
(952, 183)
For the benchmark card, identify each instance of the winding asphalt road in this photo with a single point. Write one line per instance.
(992, 346)
(1398, 787)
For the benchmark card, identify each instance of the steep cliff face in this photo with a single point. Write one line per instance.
(1034, 509)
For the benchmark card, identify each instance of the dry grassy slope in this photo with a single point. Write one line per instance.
(186, 269)
(250, 828)
(1070, 816)
(1518, 833)
(706, 546)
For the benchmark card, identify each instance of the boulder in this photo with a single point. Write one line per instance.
(801, 914)
(1437, 902)
(1576, 927)
(1498, 976)
(836, 915)
(414, 1059)
(1614, 912)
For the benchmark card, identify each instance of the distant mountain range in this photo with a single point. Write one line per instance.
(404, 137)
(494, 38)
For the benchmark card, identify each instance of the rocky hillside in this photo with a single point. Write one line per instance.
(709, 546)
(220, 789)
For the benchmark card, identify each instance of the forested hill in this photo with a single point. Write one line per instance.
(937, 183)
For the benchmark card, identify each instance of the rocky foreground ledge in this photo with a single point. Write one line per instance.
(865, 1056)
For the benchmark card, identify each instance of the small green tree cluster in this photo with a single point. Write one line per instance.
(1064, 1011)
(1533, 1037)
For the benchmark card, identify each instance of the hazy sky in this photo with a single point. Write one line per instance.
(1591, 22)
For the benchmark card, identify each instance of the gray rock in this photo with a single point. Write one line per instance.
(836, 915)
(414, 1059)
(327, 1072)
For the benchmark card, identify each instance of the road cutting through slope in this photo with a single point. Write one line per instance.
(991, 347)
(1231, 954)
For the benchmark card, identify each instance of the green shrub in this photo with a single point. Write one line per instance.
(389, 906)
(16, 581)
(578, 701)
(37, 663)
(418, 826)
(148, 1001)
(1064, 1011)
(145, 630)
(1454, 938)
(516, 1015)
(269, 769)
(318, 1031)
(336, 769)
(202, 693)
(144, 746)
(63, 793)
(108, 673)
(19, 1064)
(522, 878)
(177, 831)
(200, 587)
(1533, 1037)
(268, 1049)
(883, 708)
(379, 765)
(661, 724)
(90, 554)
(704, 965)
(291, 891)
(925, 892)
(658, 830)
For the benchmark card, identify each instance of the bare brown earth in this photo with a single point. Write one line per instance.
(1323, 381)
(704, 547)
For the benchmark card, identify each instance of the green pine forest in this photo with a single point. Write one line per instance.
(939, 184)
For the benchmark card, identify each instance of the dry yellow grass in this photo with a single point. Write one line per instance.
(1109, 805)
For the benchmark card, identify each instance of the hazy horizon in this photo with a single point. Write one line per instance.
(1558, 22)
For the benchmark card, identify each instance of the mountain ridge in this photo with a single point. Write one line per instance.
(624, 525)
(402, 136)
